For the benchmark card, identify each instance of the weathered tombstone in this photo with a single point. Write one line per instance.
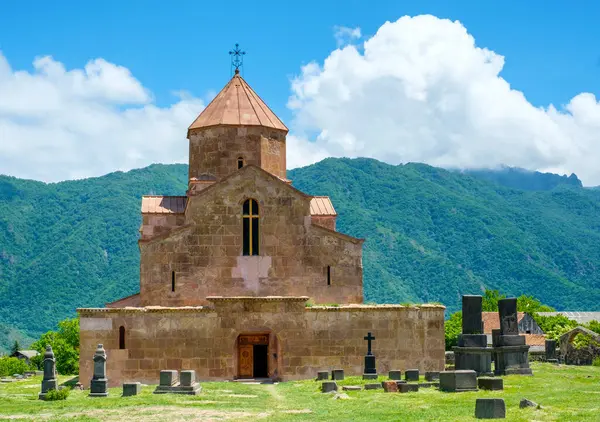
(458, 381)
(490, 409)
(511, 354)
(524, 403)
(328, 386)
(375, 386)
(168, 378)
(99, 382)
(322, 375)
(337, 374)
(490, 383)
(411, 375)
(49, 382)
(472, 351)
(351, 388)
(173, 383)
(432, 376)
(550, 348)
(429, 384)
(395, 375)
(408, 388)
(131, 389)
(370, 371)
(389, 386)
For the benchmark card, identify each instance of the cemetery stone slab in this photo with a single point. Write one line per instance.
(432, 376)
(429, 384)
(328, 386)
(458, 381)
(372, 386)
(187, 378)
(507, 309)
(490, 383)
(99, 382)
(132, 389)
(408, 388)
(411, 375)
(337, 374)
(389, 386)
(550, 348)
(471, 311)
(370, 376)
(168, 378)
(322, 375)
(395, 375)
(351, 388)
(527, 403)
(49, 381)
(490, 409)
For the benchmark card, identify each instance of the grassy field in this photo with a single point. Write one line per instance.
(565, 393)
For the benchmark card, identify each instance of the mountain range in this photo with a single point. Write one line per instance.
(432, 235)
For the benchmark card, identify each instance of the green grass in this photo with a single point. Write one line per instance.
(566, 393)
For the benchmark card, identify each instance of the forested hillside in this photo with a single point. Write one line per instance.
(432, 235)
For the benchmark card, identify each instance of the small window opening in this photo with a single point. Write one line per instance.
(121, 337)
(240, 163)
(172, 281)
(528, 332)
(329, 275)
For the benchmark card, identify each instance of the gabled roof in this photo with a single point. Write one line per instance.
(580, 317)
(237, 105)
(321, 206)
(154, 204)
(26, 353)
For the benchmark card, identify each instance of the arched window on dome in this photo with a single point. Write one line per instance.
(240, 162)
(250, 224)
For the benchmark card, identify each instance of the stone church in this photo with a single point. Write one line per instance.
(247, 277)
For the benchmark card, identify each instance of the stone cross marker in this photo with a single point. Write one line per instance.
(99, 383)
(49, 382)
(370, 371)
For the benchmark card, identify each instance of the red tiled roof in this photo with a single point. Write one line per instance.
(322, 206)
(163, 204)
(535, 339)
(491, 321)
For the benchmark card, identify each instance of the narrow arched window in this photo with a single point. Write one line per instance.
(250, 227)
(240, 162)
(172, 281)
(121, 337)
(329, 275)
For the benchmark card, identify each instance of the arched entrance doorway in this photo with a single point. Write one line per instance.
(256, 355)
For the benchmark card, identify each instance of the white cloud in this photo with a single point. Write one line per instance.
(420, 90)
(58, 124)
(344, 35)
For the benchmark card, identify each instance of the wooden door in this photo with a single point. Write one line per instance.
(246, 361)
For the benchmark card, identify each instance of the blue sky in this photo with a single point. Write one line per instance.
(551, 56)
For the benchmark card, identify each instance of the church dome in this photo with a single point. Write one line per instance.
(237, 105)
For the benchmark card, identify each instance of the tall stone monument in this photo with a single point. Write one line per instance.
(511, 354)
(99, 382)
(472, 351)
(370, 371)
(49, 382)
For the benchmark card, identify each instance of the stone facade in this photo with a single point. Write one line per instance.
(303, 340)
(210, 304)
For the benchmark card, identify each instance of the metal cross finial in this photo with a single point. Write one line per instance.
(237, 58)
(369, 338)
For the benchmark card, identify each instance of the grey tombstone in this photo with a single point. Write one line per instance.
(49, 382)
(168, 378)
(370, 376)
(395, 375)
(337, 375)
(524, 403)
(322, 375)
(370, 371)
(490, 383)
(511, 354)
(490, 409)
(472, 351)
(376, 386)
(328, 386)
(429, 384)
(550, 348)
(408, 388)
(411, 375)
(187, 378)
(131, 389)
(351, 388)
(458, 381)
(432, 376)
(99, 382)
(173, 383)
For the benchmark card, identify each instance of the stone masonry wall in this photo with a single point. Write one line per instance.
(206, 254)
(307, 339)
(216, 150)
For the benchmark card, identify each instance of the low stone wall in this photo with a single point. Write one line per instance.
(303, 340)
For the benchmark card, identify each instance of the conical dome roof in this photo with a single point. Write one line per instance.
(237, 105)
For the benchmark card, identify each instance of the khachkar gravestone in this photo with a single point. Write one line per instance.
(511, 354)
(370, 371)
(99, 382)
(472, 351)
(49, 382)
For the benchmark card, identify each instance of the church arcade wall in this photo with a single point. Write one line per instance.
(204, 257)
(303, 340)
